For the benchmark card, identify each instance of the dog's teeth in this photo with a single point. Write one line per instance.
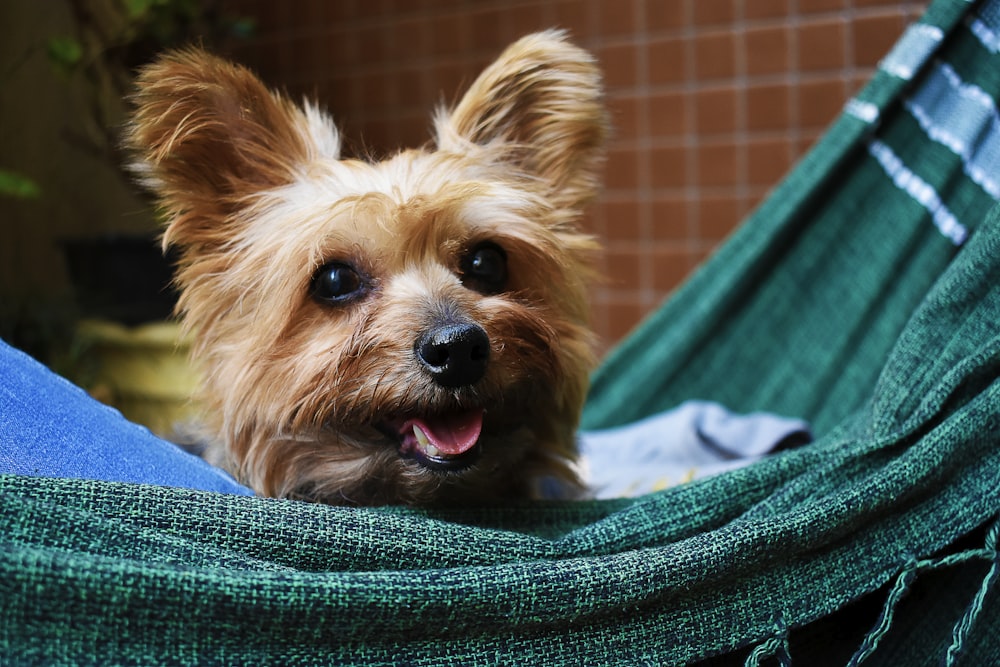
(424, 442)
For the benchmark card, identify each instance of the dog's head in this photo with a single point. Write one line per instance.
(408, 330)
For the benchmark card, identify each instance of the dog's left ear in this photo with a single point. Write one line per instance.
(207, 133)
(541, 104)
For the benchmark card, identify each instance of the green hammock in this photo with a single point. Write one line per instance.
(864, 296)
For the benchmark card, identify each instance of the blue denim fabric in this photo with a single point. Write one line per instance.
(52, 428)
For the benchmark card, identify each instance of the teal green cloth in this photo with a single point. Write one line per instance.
(850, 298)
(797, 312)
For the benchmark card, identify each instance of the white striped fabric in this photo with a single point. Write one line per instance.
(963, 118)
(920, 190)
(985, 25)
(912, 49)
(864, 111)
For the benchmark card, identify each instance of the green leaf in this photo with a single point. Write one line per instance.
(137, 9)
(244, 27)
(65, 52)
(17, 185)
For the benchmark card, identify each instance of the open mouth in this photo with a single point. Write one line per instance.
(442, 442)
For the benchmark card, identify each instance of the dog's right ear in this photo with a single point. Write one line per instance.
(208, 134)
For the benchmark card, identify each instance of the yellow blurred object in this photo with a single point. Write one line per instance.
(142, 371)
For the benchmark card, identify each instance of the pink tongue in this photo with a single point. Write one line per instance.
(455, 434)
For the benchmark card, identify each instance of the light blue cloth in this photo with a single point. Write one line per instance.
(52, 428)
(693, 440)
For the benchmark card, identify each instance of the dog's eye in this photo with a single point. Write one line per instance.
(336, 283)
(484, 269)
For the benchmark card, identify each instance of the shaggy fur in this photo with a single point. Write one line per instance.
(310, 398)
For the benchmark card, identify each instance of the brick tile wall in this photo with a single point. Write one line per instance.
(712, 101)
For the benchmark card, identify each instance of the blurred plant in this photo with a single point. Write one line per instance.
(109, 41)
(18, 186)
(113, 38)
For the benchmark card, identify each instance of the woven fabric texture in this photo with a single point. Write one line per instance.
(864, 296)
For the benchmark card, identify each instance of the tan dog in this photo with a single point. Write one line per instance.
(406, 331)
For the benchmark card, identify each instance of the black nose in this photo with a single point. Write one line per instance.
(455, 354)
